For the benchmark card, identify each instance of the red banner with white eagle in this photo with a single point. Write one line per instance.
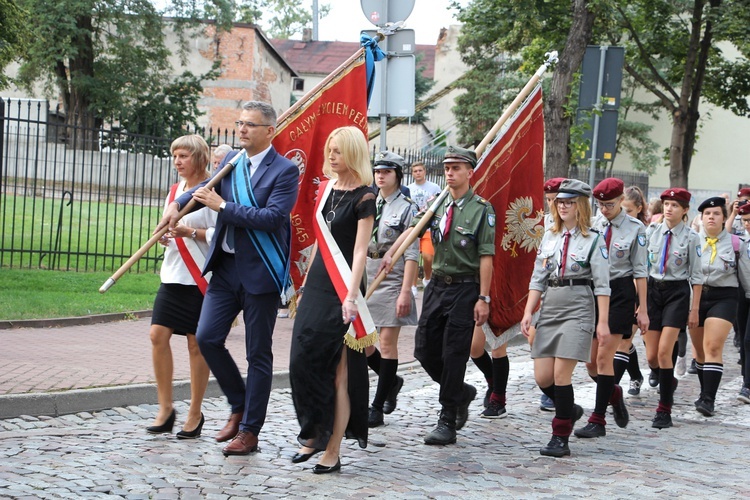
(301, 137)
(511, 175)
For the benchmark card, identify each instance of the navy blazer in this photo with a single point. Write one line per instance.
(275, 186)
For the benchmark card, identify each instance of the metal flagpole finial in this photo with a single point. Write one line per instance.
(551, 57)
(390, 28)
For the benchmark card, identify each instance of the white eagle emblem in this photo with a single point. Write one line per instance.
(523, 226)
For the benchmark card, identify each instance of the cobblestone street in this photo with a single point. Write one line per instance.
(109, 454)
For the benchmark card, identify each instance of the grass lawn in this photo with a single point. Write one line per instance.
(42, 294)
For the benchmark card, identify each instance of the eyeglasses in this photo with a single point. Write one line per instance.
(745, 221)
(566, 203)
(241, 124)
(608, 206)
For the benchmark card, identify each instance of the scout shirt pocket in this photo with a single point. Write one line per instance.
(466, 238)
(580, 256)
(653, 255)
(679, 257)
(728, 260)
(620, 249)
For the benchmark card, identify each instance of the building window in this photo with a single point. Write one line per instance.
(298, 85)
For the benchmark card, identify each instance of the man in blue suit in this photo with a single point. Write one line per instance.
(252, 230)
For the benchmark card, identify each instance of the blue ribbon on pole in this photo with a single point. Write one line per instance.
(372, 53)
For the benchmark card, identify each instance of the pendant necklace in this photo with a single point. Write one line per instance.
(331, 215)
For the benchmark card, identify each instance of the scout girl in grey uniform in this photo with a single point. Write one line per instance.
(626, 357)
(570, 257)
(625, 238)
(392, 304)
(718, 306)
(674, 252)
(743, 318)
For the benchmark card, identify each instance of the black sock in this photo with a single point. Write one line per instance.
(674, 352)
(373, 361)
(564, 401)
(594, 377)
(500, 372)
(604, 387)
(386, 379)
(712, 373)
(634, 369)
(621, 364)
(484, 363)
(666, 386)
(549, 392)
(699, 369)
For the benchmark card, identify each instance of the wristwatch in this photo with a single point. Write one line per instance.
(222, 206)
(484, 298)
(194, 234)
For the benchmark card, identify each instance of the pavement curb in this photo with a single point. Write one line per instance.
(74, 321)
(54, 404)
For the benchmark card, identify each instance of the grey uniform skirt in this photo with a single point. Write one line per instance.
(566, 324)
(382, 303)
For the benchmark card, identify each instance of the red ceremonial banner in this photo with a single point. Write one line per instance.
(301, 138)
(511, 175)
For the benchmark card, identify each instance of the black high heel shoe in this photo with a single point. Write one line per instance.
(165, 427)
(298, 458)
(324, 469)
(195, 433)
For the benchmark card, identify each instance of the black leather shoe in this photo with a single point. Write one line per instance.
(375, 418)
(195, 433)
(443, 434)
(591, 430)
(557, 447)
(692, 369)
(165, 427)
(298, 457)
(653, 379)
(324, 469)
(619, 410)
(462, 412)
(390, 402)
(705, 407)
(487, 396)
(662, 420)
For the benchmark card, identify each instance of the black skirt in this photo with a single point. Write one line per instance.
(177, 307)
(317, 344)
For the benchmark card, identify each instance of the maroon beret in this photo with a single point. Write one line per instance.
(744, 192)
(677, 194)
(553, 185)
(609, 189)
(744, 209)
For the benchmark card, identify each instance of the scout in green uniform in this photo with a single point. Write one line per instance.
(457, 297)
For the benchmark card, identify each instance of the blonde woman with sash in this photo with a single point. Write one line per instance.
(178, 302)
(328, 367)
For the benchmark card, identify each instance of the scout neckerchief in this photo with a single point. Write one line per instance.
(191, 254)
(274, 255)
(362, 332)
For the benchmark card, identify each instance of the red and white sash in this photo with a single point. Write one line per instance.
(362, 332)
(190, 253)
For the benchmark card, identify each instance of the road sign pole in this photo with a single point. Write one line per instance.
(598, 108)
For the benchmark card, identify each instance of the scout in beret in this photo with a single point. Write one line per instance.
(625, 239)
(674, 252)
(734, 224)
(552, 185)
(718, 301)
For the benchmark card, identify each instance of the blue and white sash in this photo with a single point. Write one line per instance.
(275, 257)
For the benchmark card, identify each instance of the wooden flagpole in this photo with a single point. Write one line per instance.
(525, 91)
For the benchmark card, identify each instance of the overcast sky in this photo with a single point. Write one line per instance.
(346, 19)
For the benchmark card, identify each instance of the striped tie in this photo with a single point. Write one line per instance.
(378, 214)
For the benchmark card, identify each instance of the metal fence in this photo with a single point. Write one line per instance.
(68, 208)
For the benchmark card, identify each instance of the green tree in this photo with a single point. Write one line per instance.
(682, 53)
(14, 35)
(284, 19)
(493, 28)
